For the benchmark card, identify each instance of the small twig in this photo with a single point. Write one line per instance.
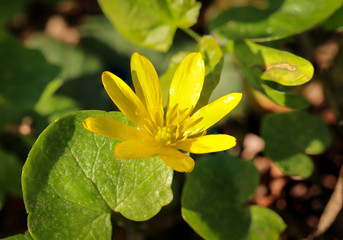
(192, 33)
(332, 208)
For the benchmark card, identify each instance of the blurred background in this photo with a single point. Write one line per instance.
(52, 54)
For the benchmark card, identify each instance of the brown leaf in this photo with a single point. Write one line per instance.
(332, 208)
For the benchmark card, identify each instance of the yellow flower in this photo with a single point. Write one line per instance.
(157, 133)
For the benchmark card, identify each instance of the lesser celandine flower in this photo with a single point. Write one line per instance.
(158, 133)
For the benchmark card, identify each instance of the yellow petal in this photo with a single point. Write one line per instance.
(185, 88)
(176, 160)
(135, 149)
(112, 128)
(210, 114)
(207, 144)
(147, 86)
(125, 99)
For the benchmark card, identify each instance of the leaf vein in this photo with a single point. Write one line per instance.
(94, 184)
(141, 183)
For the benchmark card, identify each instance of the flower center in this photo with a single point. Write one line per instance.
(166, 135)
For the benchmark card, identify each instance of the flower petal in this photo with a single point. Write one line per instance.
(176, 160)
(135, 149)
(112, 128)
(147, 86)
(207, 144)
(125, 99)
(185, 88)
(210, 114)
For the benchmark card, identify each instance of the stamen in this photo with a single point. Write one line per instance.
(166, 135)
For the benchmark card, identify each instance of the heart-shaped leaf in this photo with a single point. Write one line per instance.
(150, 23)
(281, 18)
(214, 196)
(290, 136)
(71, 181)
(264, 65)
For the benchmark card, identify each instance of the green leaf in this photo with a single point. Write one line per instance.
(151, 23)
(100, 37)
(214, 196)
(290, 100)
(214, 60)
(71, 181)
(274, 65)
(25, 74)
(10, 172)
(335, 21)
(263, 66)
(280, 19)
(265, 224)
(79, 67)
(289, 136)
(55, 106)
(74, 61)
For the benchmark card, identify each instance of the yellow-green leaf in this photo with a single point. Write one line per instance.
(267, 68)
(150, 23)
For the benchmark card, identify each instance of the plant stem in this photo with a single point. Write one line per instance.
(192, 33)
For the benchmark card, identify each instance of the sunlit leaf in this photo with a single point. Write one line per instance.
(101, 38)
(280, 19)
(263, 65)
(290, 136)
(71, 181)
(274, 65)
(152, 23)
(99, 35)
(214, 196)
